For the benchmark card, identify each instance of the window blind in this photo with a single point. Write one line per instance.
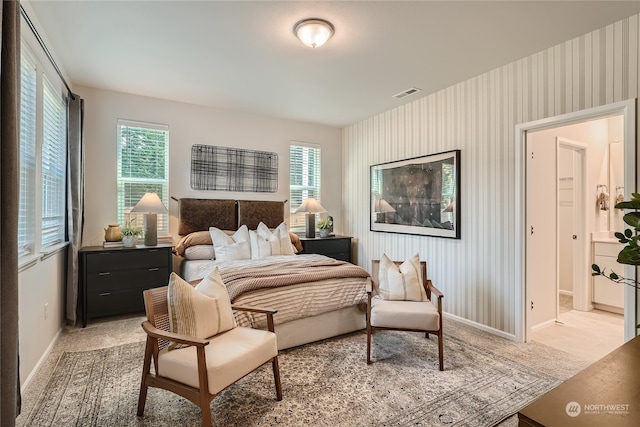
(143, 166)
(26, 208)
(304, 173)
(54, 162)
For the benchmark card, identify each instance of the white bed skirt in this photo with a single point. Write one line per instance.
(322, 326)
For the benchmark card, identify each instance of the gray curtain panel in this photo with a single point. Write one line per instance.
(75, 198)
(9, 194)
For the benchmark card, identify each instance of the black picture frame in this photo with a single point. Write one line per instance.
(419, 196)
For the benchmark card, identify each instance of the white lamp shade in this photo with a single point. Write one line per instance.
(313, 32)
(310, 205)
(150, 203)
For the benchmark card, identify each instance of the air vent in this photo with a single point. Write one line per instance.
(406, 93)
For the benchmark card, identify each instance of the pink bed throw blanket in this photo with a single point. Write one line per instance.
(285, 271)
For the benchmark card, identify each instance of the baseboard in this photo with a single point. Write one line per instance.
(480, 326)
(543, 325)
(44, 356)
(562, 292)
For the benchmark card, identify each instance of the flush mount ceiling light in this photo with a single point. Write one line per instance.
(313, 32)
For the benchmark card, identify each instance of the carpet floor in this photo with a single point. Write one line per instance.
(486, 380)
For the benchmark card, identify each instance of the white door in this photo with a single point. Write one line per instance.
(573, 239)
(541, 250)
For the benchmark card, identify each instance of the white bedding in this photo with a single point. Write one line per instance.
(292, 301)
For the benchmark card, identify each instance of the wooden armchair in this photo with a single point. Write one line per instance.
(416, 316)
(208, 366)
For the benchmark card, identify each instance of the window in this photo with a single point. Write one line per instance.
(143, 166)
(26, 214)
(304, 172)
(43, 159)
(54, 163)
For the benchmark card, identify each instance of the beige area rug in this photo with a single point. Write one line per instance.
(325, 384)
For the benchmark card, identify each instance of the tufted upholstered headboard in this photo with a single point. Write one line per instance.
(200, 214)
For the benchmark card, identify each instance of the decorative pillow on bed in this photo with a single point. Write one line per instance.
(199, 252)
(233, 247)
(192, 312)
(193, 239)
(278, 239)
(403, 283)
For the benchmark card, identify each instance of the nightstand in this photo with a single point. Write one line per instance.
(338, 247)
(112, 280)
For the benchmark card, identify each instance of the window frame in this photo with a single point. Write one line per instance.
(297, 221)
(123, 214)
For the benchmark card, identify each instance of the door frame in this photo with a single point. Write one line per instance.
(628, 110)
(581, 296)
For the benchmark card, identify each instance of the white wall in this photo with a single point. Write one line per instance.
(188, 125)
(42, 283)
(478, 116)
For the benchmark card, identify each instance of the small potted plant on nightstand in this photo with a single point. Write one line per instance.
(325, 226)
(130, 234)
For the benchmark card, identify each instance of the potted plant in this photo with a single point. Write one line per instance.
(325, 226)
(630, 254)
(130, 234)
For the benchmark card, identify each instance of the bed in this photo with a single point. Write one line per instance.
(316, 297)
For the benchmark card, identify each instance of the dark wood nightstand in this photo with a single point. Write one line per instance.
(112, 280)
(338, 247)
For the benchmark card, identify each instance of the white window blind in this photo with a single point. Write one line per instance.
(304, 173)
(26, 209)
(54, 163)
(143, 166)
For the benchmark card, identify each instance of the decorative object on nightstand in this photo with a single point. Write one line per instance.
(325, 226)
(130, 235)
(151, 206)
(310, 207)
(112, 233)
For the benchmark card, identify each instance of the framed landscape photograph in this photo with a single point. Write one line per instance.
(417, 196)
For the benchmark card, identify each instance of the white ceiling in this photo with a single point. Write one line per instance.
(242, 55)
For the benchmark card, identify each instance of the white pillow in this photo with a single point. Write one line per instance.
(402, 283)
(278, 239)
(233, 247)
(199, 252)
(260, 247)
(195, 314)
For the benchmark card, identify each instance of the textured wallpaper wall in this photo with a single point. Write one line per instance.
(479, 117)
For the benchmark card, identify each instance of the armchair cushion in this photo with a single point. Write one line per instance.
(200, 313)
(403, 283)
(418, 315)
(230, 356)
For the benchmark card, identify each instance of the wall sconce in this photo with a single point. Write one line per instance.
(310, 207)
(313, 32)
(151, 206)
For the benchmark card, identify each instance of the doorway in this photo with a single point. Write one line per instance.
(526, 292)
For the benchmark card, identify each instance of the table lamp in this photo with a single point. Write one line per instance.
(151, 206)
(310, 206)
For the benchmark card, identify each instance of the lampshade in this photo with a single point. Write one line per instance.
(313, 32)
(310, 205)
(150, 203)
(381, 205)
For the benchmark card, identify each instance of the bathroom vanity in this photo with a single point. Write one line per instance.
(607, 295)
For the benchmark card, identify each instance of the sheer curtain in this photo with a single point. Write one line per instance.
(9, 190)
(75, 198)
